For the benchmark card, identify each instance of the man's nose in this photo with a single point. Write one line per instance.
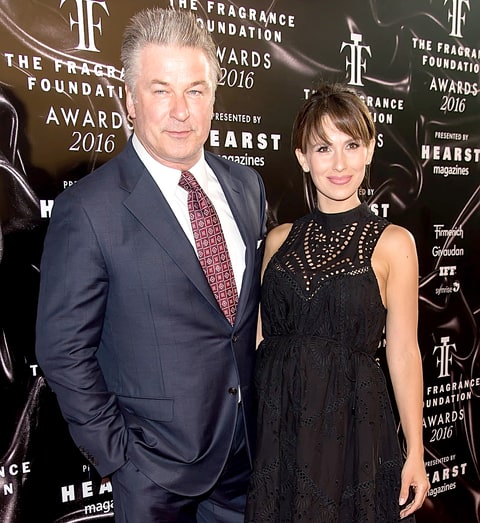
(179, 109)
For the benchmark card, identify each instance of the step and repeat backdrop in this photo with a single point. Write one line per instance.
(417, 65)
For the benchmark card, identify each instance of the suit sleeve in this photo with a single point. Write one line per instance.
(72, 301)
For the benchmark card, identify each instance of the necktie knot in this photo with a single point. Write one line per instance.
(188, 181)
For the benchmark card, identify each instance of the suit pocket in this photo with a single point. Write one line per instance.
(148, 408)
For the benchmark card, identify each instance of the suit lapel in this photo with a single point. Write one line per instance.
(147, 203)
(235, 195)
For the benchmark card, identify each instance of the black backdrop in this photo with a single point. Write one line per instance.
(417, 62)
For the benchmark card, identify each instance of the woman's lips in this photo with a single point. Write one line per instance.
(340, 180)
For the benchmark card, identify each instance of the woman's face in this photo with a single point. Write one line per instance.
(337, 168)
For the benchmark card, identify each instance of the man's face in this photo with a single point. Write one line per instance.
(172, 105)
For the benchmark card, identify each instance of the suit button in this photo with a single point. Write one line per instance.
(233, 391)
(234, 338)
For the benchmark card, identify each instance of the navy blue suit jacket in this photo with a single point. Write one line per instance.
(129, 334)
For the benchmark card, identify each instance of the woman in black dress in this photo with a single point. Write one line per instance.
(333, 281)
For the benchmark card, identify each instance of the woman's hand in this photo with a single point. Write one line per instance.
(414, 481)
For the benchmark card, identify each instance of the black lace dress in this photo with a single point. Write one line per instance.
(327, 446)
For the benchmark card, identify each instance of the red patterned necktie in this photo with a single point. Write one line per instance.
(211, 246)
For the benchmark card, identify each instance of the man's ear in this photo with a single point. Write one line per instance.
(129, 103)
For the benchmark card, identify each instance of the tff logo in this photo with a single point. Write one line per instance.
(457, 15)
(444, 359)
(356, 63)
(86, 22)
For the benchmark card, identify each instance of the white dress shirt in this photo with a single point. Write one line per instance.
(167, 180)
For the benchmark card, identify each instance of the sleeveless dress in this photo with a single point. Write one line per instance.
(327, 445)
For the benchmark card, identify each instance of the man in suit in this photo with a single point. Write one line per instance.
(152, 376)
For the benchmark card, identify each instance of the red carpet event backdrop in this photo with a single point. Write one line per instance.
(417, 65)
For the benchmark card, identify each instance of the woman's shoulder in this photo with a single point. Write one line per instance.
(396, 245)
(395, 237)
(277, 236)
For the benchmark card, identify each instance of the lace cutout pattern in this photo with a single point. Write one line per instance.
(325, 253)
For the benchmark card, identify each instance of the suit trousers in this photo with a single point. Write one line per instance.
(137, 499)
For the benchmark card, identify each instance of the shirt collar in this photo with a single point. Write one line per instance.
(166, 177)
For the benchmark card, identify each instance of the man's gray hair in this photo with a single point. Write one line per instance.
(165, 27)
